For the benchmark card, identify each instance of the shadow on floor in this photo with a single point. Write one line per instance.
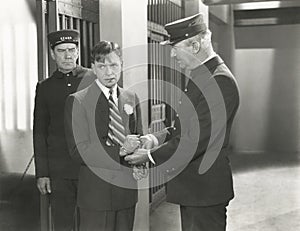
(241, 162)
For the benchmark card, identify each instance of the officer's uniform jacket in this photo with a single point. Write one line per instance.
(214, 97)
(50, 148)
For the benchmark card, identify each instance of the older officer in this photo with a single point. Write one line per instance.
(202, 195)
(56, 173)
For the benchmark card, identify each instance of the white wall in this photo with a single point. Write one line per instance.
(267, 68)
(265, 61)
(18, 77)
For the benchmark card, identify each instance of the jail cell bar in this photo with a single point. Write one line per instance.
(161, 68)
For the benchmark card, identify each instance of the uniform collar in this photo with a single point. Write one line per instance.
(210, 64)
(74, 72)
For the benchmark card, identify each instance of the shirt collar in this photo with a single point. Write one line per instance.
(105, 90)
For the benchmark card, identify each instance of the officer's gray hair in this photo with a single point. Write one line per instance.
(204, 37)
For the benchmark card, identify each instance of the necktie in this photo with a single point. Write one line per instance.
(116, 130)
(116, 135)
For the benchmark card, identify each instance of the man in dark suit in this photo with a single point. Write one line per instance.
(56, 173)
(101, 121)
(194, 157)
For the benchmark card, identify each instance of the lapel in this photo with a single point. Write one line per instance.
(122, 100)
(98, 98)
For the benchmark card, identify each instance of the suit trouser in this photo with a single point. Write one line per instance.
(209, 218)
(63, 203)
(119, 220)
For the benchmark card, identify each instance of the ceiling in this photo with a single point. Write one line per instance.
(262, 12)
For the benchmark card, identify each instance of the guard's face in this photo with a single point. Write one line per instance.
(65, 56)
(182, 54)
(109, 71)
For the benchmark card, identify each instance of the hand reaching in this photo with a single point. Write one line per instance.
(131, 143)
(139, 156)
(147, 142)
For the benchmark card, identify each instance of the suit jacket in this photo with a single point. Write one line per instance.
(50, 148)
(215, 186)
(86, 124)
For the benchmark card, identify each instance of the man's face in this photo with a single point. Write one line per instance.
(65, 55)
(109, 71)
(182, 54)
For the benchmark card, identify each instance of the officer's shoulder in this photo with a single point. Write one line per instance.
(84, 72)
(46, 81)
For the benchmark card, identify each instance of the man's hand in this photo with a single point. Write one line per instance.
(43, 184)
(138, 157)
(147, 142)
(131, 143)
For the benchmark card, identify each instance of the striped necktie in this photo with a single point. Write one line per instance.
(116, 135)
(116, 130)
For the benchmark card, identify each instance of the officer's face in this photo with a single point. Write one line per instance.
(108, 71)
(65, 56)
(182, 54)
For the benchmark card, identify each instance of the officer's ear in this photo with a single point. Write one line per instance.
(52, 53)
(196, 47)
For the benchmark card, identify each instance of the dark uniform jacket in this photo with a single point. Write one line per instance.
(213, 94)
(50, 148)
(105, 179)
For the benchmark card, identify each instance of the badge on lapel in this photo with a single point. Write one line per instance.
(128, 109)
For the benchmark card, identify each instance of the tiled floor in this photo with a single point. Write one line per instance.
(267, 197)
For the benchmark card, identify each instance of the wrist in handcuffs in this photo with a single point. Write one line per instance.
(124, 152)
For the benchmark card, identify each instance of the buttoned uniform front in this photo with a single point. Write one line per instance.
(214, 187)
(50, 148)
(87, 121)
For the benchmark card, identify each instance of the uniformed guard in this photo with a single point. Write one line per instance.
(56, 172)
(195, 156)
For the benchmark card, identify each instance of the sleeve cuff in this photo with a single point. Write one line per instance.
(150, 157)
(154, 139)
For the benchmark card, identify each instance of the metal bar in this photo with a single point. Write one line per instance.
(41, 44)
(156, 74)
(96, 33)
(62, 21)
(91, 41)
(77, 24)
(159, 5)
(153, 11)
(148, 10)
(165, 12)
(45, 213)
(53, 25)
(71, 26)
(84, 43)
(156, 11)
